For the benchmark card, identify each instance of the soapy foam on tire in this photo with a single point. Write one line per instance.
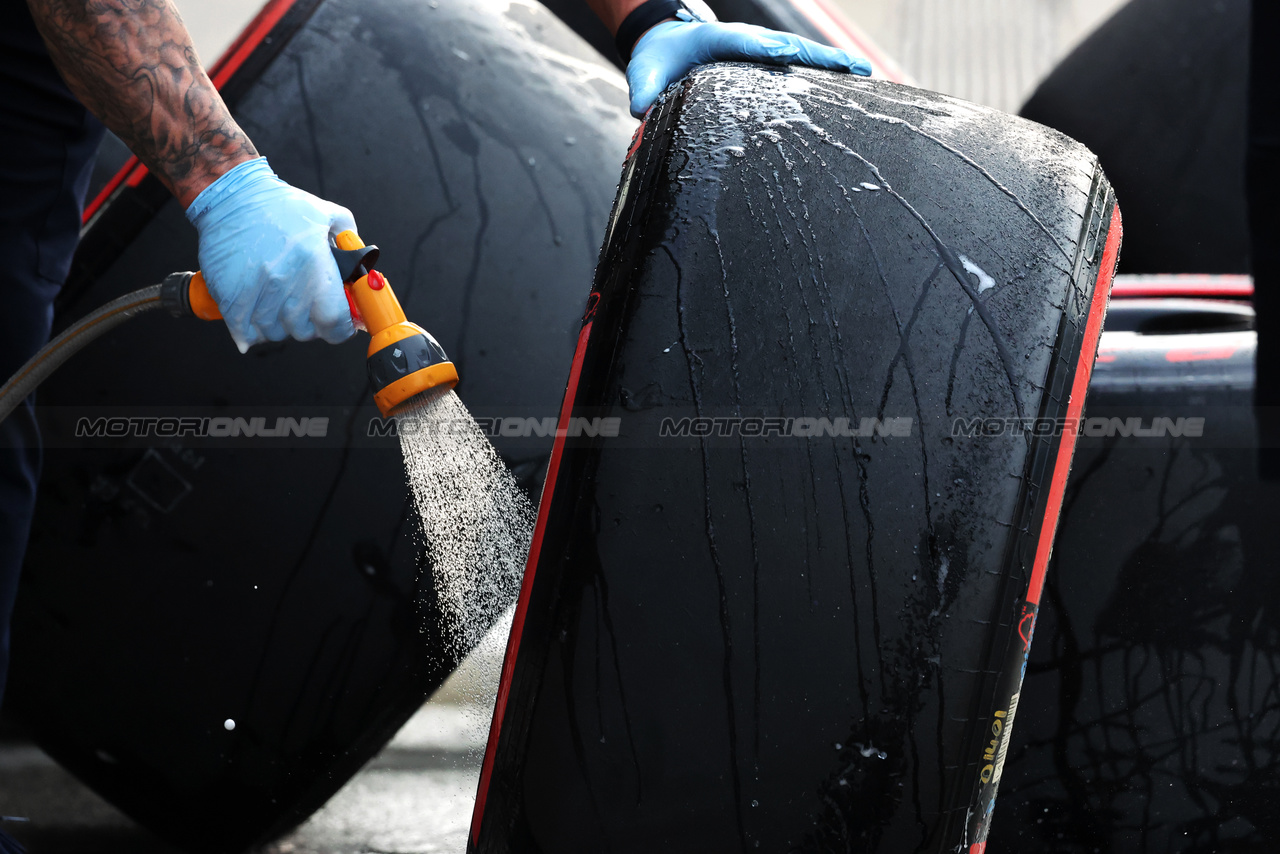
(476, 522)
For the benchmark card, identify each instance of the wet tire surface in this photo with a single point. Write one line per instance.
(744, 636)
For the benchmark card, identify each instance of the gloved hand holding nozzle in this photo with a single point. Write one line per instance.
(264, 252)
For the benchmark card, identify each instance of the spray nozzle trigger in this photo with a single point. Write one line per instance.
(353, 264)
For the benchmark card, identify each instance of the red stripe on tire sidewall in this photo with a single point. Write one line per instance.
(1075, 408)
(233, 57)
(111, 186)
(526, 586)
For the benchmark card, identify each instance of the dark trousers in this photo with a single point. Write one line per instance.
(44, 172)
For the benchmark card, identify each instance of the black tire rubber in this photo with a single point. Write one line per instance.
(754, 641)
(1152, 710)
(172, 584)
(1158, 92)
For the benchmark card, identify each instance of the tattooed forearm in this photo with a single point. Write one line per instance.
(132, 64)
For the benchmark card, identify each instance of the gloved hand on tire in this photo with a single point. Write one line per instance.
(691, 36)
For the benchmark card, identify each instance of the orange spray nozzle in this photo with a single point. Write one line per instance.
(404, 359)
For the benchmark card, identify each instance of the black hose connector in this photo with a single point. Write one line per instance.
(175, 294)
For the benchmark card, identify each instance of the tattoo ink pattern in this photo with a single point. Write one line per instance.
(131, 62)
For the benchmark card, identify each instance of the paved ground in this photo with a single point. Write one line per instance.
(416, 795)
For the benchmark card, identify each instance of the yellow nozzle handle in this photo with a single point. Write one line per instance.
(370, 294)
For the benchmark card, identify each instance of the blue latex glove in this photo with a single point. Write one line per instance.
(264, 251)
(669, 50)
